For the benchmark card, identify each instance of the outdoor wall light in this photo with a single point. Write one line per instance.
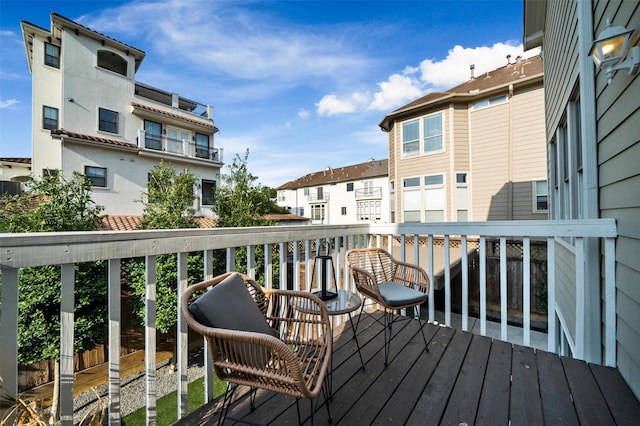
(611, 51)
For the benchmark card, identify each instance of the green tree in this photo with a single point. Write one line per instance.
(168, 200)
(241, 201)
(52, 204)
(167, 205)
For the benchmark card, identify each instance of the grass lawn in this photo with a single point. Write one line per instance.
(168, 405)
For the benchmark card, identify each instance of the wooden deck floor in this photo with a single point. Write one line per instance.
(463, 379)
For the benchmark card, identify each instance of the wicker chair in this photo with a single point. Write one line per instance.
(291, 357)
(393, 284)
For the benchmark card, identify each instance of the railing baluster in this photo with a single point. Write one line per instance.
(67, 305)
(610, 301)
(503, 289)
(296, 266)
(208, 361)
(447, 282)
(268, 266)
(182, 340)
(9, 334)
(114, 342)
(552, 340)
(483, 286)
(526, 290)
(307, 263)
(283, 266)
(150, 339)
(465, 282)
(579, 338)
(432, 284)
(251, 261)
(231, 259)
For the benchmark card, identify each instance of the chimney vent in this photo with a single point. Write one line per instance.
(471, 68)
(509, 59)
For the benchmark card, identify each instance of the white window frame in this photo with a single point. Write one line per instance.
(422, 137)
(537, 194)
(459, 187)
(91, 177)
(117, 123)
(434, 187)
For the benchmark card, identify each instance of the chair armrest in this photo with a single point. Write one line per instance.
(365, 282)
(411, 275)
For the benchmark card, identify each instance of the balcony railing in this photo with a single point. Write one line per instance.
(181, 147)
(568, 332)
(369, 193)
(323, 197)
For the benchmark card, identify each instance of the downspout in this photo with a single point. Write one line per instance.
(590, 208)
(510, 158)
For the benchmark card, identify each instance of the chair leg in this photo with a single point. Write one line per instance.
(426, 345)
(388, 321)
(327, 399)
(226, 403)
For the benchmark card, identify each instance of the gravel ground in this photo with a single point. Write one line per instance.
(133, 388)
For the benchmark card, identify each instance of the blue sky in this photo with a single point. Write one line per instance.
(301, 84)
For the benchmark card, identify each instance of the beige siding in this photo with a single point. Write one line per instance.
(529, 150)
(618, 138)
(566, 287)
(561, 58)
(490, 168)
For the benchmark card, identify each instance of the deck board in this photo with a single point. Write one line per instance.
(463, 379)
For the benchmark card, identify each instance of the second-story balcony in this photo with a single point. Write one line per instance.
(374, 193)
(321, 197)
(180, 147)
(289, 250)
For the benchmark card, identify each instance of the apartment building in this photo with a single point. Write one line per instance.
(349, 194)
(90, 115)
(473, 153)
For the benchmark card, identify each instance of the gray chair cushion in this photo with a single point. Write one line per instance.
(395, 294)
(230, 305)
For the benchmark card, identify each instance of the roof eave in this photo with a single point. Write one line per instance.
(534, 20)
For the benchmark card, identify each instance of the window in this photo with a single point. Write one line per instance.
(49, 118)
(52, 55)
(152, 135)
(434, 198)
(540, 196)
(392, 201)
(410, 138)
(411, 199)
(369, 210)
(462, 198)
(202, 145)
(319, 193)
(50, 172)
(433, 133)
(488, 102)
(317, 212)
(97, 175)
(208, 191)
(343, 211)
(350, 187)
(108, 121)
(112, 62)
(305, 191)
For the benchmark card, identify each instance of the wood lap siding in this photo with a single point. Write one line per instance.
(560, 49)
(618, 138)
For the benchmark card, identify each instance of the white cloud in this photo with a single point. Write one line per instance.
(330, 104)
(396, 90)
(454, 69)
(303, 114)
(9, 103)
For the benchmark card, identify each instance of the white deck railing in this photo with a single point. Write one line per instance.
(67, 249)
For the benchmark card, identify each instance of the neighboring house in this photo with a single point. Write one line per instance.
(90, 115)
(350, 194)
(593, 141)
(473, 153)
(13, 172)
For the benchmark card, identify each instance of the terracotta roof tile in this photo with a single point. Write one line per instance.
(112, 222)
(370, 169)
(18, 160)
(81, 136)
(173, 115)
